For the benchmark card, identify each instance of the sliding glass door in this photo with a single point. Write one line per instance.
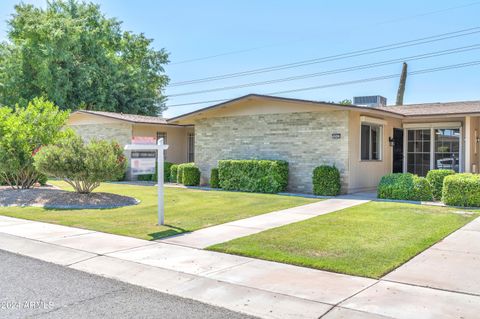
(418, 152)
(433, 148)
(447, 149)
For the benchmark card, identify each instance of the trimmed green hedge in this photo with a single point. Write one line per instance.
(214, 180)
(166, 172)
(461, 190)
(326, 180)
(436, 177)
(262, 176)
(404, 186)
(191, 176)
(180, 171)
(173, 173)
(154, 177)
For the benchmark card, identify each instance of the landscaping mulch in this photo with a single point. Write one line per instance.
(51, 197)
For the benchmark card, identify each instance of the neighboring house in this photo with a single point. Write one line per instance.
(365, 143)
(124, 127)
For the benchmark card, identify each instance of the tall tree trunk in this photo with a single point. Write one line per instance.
(401, 85)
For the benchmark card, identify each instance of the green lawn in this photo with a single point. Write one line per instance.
(185, 210)
(368, 240)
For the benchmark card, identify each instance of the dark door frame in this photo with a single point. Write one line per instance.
(398, 150)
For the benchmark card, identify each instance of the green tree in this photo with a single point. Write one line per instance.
(82, 165)
(23, 131)
(73, 55)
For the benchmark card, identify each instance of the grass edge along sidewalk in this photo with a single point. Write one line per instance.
(368, 240)
(185, 210)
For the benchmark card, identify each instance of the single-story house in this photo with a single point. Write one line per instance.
(364, 142)
(124, 127)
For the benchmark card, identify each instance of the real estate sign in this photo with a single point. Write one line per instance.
(143, 161)
(142, 166)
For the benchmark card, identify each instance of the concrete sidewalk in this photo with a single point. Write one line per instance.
(221, 233)
(260, 288)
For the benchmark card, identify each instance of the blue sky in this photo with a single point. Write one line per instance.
(255, 34)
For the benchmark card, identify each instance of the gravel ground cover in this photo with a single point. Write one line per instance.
(52, 197)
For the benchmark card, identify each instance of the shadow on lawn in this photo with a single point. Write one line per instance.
(167, 233)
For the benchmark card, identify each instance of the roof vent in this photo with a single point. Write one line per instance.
(370, 101)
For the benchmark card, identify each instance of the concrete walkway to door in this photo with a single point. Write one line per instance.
(221, 233)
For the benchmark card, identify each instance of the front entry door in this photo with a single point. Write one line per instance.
(397, 166)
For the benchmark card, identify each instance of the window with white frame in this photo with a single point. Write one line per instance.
(371, 142)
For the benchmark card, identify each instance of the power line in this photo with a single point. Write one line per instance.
(335, 71)
(208, 57)
(423, 71)
(378, 78)
(388, 47)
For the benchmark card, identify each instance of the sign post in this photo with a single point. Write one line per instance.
(159, 148)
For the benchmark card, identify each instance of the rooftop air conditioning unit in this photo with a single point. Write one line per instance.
(370, 101)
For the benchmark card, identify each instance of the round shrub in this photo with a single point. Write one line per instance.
(180, 171)
(326, 181)
(166, 171)
(461, 190)
(422, 189)
(42, 179)
(214, 181)
(82, 165)
(191, 176)
(435, 177)
(173, 173)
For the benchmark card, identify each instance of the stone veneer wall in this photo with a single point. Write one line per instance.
(121, 132)
(302, 139)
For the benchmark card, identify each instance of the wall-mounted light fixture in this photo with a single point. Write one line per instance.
(391, 141)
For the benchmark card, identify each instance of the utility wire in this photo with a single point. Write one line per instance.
(378, 78)
(208, 57)
(388, 47)
(335, 71)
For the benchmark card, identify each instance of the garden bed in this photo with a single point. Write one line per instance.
(50, 197)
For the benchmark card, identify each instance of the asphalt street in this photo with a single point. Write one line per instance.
(30, 288)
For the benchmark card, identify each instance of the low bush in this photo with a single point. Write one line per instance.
(214, 181)
(166, 172)
(436, 177)
(404, 186)
(191, 175)
(461, 190)
(422, 189)
(326, 181)
(82, 165)
(145, 177)
(23, 132)
(263, 176)
(173, 173)
(180, 171)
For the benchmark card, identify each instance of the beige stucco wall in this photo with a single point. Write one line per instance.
(365, 175)
(90, 126)
(176, 139)
(303, 139)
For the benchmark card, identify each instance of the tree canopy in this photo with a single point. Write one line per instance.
(23, 131)
(75, 56)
